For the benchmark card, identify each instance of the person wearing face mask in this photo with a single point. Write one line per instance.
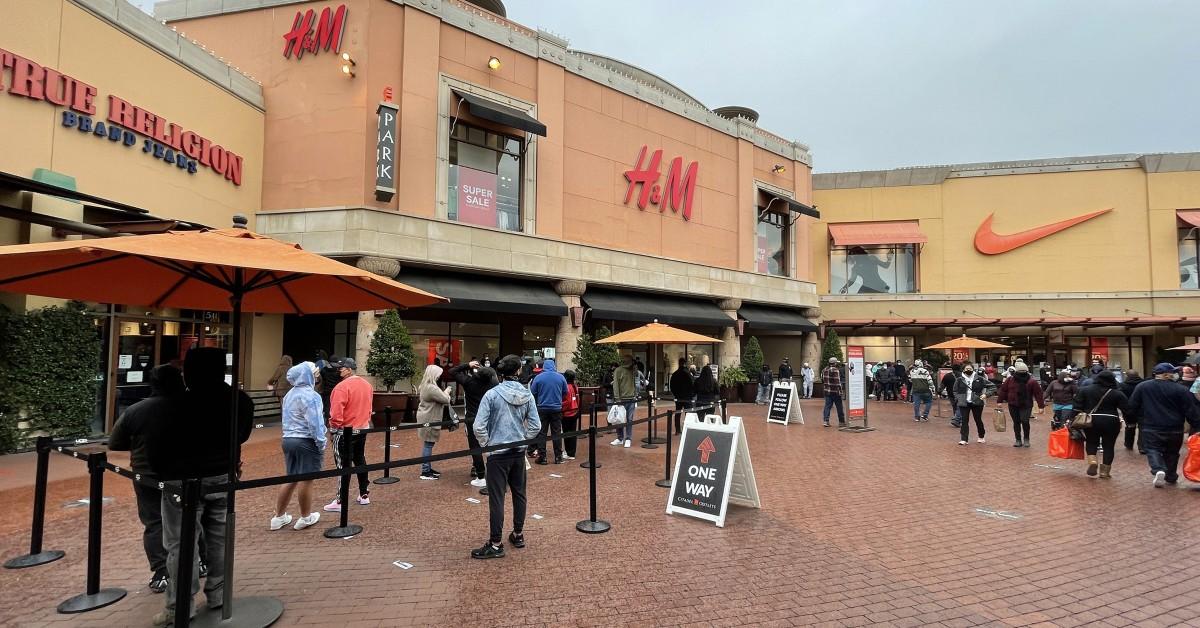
(1163, 406)
(1061, 394)
(969, 393)
(1132, 379)
(1021, 391)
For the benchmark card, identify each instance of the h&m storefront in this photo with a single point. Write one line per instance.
(546, 191)
(113, 124)
(1064, 260)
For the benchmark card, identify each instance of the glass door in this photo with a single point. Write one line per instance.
(137, 349)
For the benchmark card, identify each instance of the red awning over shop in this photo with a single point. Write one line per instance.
(1186, 216)
(866, 233)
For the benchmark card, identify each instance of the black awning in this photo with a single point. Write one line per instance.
(643, 307)
(486, 293)
(502, 114)
(793, 205)
(762, 317)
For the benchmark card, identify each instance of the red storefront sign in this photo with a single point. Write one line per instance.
(959, 356)
(166, 141)
(1100, 349)
(678, 191)
(444, 350)
(476, 197)
(312, 34)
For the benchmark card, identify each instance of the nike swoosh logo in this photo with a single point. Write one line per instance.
(989, 242)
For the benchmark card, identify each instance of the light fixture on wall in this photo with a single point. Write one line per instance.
(348, 65)
(779, 169)
(494, 63)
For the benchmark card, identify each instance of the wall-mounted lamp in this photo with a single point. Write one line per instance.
(348, 65)
(494, 63)
(779, 169)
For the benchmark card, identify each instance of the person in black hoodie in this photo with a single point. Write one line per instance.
(1103, 400)
(474, 381)
(331, 376)
(683, 389)
(946, 389)
(1132, 379)
(131, 433)
(706, 388)
(196, 444)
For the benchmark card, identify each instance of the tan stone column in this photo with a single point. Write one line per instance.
(566, 337)
(367, 322)
(729, 352)
(812, 350)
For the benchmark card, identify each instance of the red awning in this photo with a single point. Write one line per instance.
(866, 233)
(1187, 216)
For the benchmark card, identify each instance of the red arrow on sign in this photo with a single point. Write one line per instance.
(706, 449)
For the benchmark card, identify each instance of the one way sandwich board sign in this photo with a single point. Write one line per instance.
(712, 470)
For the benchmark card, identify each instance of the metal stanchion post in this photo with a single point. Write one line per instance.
(591, 461)
(651, 425)
(666, 481)
(36, 555)
(94, 597)
(387, 449)
(592, 525)
(344, 528)
(725, 411)
(187, 549)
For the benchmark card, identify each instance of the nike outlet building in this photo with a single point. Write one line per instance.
(1064, 260)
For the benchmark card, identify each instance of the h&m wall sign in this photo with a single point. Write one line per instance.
(678, 191)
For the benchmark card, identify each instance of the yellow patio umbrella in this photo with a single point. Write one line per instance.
(966, 342)
(656, 333)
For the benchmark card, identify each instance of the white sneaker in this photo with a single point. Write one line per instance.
(980, 441)
(333, 506)
(617, 442)
(962, 442)
(1160, 479)
(479, 482)
(311, 519)
(280, 521)
(628, 443)
(566, 457)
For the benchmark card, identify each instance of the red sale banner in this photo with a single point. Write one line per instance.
(445, 350)
(476, 197)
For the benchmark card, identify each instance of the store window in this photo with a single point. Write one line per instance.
(882, 348)
(452, 343)
(535, 339)
(1189, 253)
(485, 177)
(875, 269)
(771, 251)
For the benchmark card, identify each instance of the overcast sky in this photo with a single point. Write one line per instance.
(887, 83)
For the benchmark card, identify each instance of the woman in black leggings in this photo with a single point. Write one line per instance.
(969, 392)
(1104, 401)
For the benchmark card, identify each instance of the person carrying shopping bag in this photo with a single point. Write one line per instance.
(1100, 425)
(969, 392)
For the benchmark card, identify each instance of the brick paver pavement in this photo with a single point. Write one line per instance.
(880, 528)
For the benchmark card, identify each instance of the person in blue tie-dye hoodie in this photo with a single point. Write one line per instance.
(303, 444)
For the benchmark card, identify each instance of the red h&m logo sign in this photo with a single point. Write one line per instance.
(678, 191)
(311, 34)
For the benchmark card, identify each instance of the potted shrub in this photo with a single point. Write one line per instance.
(730, 381)
(752, 362)
(592, 361)
(391, 359)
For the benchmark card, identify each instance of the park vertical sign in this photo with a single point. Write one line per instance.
(385, 152)
(712, 469)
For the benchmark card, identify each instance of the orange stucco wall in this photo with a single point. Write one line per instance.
(320, 137)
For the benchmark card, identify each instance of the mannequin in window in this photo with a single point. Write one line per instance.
(865, 266)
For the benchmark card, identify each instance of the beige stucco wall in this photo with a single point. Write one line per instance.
(321, 133)
(61, 35)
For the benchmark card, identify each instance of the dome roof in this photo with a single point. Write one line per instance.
(734, 111)
(495, 6)
(640, 75)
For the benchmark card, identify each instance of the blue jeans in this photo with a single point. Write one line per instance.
(625, 432)
(427, 450)
(918, 399)
(832, 400)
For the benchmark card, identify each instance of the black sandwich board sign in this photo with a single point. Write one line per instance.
(712, 470)
(784, 406)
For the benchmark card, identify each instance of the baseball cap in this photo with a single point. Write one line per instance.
(1165, 367)
(833, 360)
(348, 363)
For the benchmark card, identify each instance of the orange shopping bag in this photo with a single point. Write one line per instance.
(1060, 445)
(1191, 463)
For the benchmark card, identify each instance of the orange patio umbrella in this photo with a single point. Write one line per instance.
(212, 269)
(1192, 347)
(966, 342)
(656, 333)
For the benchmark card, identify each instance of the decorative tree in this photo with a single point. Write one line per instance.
(832, 348)
(593, 360)
(391, 357)
(752, 357)
(933, 358)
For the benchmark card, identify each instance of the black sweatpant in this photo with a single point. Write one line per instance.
(477, 468)
(570, 424)
(149, 504)
(552, 425)
(1131, 436)
(680, 407)
(505, 471)
(976, 413)
(1020, 417)
(1104, 430)
(358, 457)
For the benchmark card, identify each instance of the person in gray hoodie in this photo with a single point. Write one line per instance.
(507, 414)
